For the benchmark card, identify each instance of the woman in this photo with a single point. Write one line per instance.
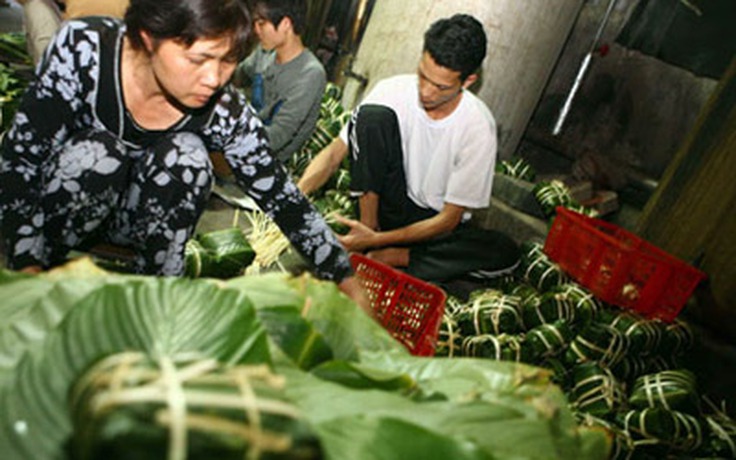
(111, 142)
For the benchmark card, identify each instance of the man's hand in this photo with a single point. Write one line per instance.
(352, 288)
(359, 238)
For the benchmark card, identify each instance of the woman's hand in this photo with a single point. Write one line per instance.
(352, 288)
(31, 269)
(359, 238)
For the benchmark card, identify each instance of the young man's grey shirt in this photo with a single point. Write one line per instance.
(292, 96)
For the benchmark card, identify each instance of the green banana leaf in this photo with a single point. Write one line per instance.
(371, 438)
(504, 410)
(295, 336)
(347, 330)
(35, 320)
(363, 405)
(19, 294)
(34, 305)
(353, 375)
(159, 316)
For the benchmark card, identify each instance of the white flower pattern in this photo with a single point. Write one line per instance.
(65, 135)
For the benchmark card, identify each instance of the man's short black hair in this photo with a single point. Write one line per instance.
(276, 10)
(458, 43)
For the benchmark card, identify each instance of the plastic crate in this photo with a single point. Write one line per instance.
(619, 267)
(409, 308)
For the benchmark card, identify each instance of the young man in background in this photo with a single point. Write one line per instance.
(422, 150)
(286, 80)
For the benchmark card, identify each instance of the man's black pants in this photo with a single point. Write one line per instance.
(376, 165)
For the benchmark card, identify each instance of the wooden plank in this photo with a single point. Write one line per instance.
(692, 213)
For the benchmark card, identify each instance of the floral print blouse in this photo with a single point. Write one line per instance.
(78, 87)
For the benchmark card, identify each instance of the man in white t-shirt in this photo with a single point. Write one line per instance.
(422, 154)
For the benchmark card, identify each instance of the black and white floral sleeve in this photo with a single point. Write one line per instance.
(244, 144)
(47, 115)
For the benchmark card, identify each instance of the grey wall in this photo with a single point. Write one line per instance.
(632, 111)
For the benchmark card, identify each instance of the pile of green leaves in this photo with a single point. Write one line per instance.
(332, 117)
(15, 73)
(621, 372)
(358, 389)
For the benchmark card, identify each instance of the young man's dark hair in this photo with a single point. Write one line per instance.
(458, 43)
(189, 20)
(276, 10)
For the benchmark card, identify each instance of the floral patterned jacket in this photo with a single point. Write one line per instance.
(77, 87)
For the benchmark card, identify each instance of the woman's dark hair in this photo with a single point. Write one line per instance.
(458, 43)
(276, 10)
(186, 21)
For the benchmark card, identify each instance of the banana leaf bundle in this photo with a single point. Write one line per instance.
(198, 262)
(539, 270)
(585, 305)
(551, 194)
(332, 117)
(517, 168)
(560, 371)
(336, 202)
(332, 93)
(644, 335)
(326, 128)
(523, 291)
(662, 363)
(584, 210)
(568, 301)
(16, 72)
(450, 339)
(597, 343)
(343, 180)
(631, 367)
(550, 339)
(499, 348)
(677, 339)
(622, 447)
(453, 305)
(339, 201)
(13, 48)
(546, 309)
(218, 254)
(128, 406)
(490, 312)
(721, 439)
(672, 390)
(661, 431)
(595, 390)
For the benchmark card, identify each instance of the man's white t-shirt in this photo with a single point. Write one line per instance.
(446, 161)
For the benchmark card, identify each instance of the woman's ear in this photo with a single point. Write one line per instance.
(149, 43)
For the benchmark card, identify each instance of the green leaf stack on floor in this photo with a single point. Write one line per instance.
(16, 70)
(350, 389)
(622, 373)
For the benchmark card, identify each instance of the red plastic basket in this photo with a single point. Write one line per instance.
(409, 308)
(619, 267)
